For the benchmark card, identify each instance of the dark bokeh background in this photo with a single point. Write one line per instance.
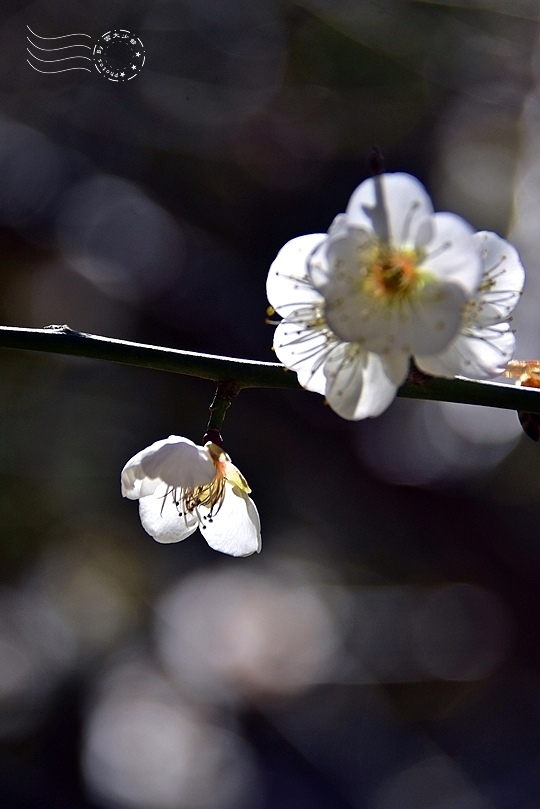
(382, 651)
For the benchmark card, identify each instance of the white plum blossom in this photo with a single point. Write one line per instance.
(182, 486)
(485, 342)
(390, 280)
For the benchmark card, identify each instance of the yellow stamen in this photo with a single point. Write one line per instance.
(391, 274)
(211, 495)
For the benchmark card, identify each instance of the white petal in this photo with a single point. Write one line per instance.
(352, 313)
(235, 528)
(485, 343)
(391, 205)
(502, 281)
(359, 385)
(337, 256)
(396, 367)
(160, 518)
(134, 480)
(288, 285)
(178, 462)
(303, 350)
(433, 318)
(478, 354)
(427, 321)
(135, 488)
(452, 254)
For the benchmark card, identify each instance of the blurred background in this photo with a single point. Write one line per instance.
(382, 652)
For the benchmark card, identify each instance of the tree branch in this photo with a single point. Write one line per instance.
(246, 373)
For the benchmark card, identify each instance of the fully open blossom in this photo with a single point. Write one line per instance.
(390, 280)
(182, 486)
(485, 342)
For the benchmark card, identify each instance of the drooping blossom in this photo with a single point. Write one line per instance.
(182, 486)
(390, 280)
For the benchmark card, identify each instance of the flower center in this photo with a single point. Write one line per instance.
(391, 274)
(211, 495)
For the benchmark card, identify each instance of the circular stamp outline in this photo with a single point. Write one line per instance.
(105, 69)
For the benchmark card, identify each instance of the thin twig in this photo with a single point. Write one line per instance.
(246, 373)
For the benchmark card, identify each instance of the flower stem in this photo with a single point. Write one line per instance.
(225, 393)
(247, 373)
